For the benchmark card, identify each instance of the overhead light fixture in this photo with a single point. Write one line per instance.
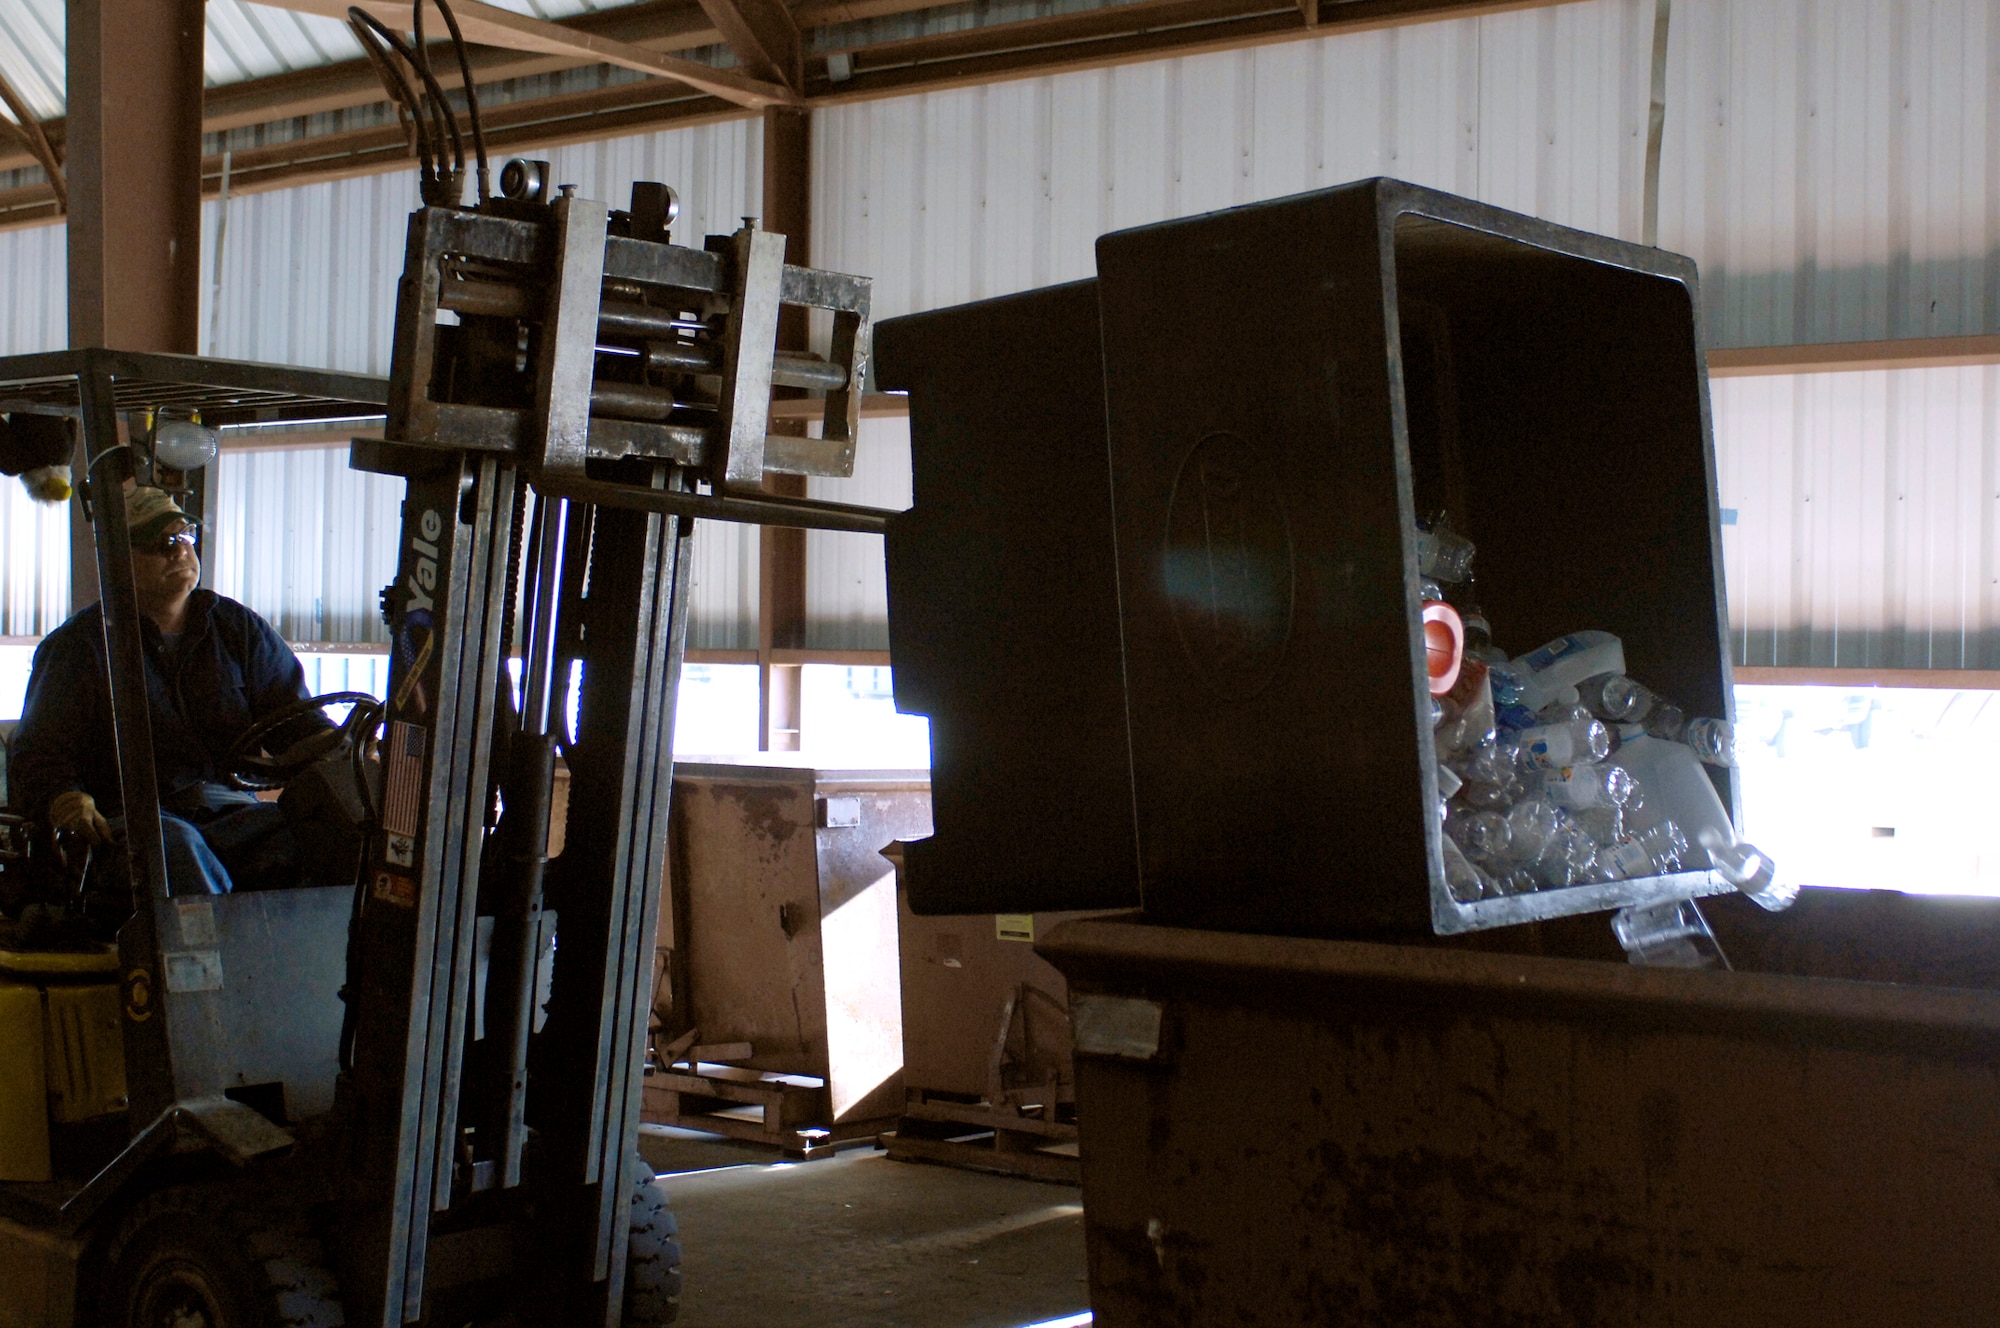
(184, 445)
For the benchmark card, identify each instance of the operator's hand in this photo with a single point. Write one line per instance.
(75, 812)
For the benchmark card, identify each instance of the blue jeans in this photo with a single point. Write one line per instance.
(218, 840)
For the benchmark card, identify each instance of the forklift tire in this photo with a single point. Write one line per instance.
(652, 1258)
(211, 1256)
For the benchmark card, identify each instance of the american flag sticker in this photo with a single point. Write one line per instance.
(405, 777)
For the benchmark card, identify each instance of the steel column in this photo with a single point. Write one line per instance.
(781, 562)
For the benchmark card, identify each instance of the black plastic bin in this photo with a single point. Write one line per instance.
(1287, 387)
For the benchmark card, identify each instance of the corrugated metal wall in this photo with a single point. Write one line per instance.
(34, 578)
(305, 541)
(1833, 167)
(847, 597)
(978, 192)
(1866, 511)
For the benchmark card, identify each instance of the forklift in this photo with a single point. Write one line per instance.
(412, 1097)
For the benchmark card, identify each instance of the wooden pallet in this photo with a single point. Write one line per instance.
(788, 1112)
(1015, 1138)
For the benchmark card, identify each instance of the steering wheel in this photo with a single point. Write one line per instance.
(251, 772)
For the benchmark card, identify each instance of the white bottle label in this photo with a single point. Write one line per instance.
(1549, 748)
(1630, 859)
(1575, 787)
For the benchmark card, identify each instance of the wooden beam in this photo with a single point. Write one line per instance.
(876, 405)
(764, 37)
(1115, 35)
(541, 123)
(1970, 680)
(493, 26)
(32, 134)
(1854, 356)
(134, 75)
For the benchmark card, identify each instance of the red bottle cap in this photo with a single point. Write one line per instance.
(1444, 644)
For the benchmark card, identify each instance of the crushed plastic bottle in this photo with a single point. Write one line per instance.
(1576, 787)
(1667, 935)
(1484, 835)
(1615, 698)
(1656, 851)
(1570, 743)
(1553, 672)
(1468, 884)
(1604, 825)
(1531, 824)
(1469, 723)
(1444, 555)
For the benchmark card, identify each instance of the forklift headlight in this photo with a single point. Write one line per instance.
(185, 445)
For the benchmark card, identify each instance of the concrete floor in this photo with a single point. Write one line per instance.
(858, 1240)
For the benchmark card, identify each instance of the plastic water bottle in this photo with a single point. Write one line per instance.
(1484, 835)
(1479, 638)
(1574, 742)
(1553, 672)
(1750, 870)
(1604, 825)
(1568, 859)
(1469, 706)
(1652, 852)
(1444, 555)
(1667, 935)
(1615, 698)
(1448, 782)
(1467, 884)
(1712, 740)
(1491, 763)
(1666, 721)
(1575, 787)
(1530, 826)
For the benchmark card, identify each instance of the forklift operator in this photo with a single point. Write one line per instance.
(213, 668)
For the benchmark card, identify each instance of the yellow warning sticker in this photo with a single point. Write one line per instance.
(1014, 926)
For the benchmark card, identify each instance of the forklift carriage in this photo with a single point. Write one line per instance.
(387, 1101)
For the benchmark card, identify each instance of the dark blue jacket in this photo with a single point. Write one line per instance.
(231, 670)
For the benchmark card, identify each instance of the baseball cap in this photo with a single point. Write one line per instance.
(148, 513)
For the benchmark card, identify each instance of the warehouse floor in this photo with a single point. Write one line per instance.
(858, 1240)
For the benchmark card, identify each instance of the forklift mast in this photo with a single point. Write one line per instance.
(570, 392)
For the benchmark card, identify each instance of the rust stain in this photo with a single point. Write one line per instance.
(764, 812)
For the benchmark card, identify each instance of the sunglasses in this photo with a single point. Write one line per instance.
(164, 546)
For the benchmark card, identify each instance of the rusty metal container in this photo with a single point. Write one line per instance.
(989, 1066)
(1294, 1131)
(782, 1018)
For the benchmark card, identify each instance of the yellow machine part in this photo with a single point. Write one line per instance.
(24, 1097)
(85, 1052)
(62, 1051)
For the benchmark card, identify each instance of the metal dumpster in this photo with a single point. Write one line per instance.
(1282, 1130)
